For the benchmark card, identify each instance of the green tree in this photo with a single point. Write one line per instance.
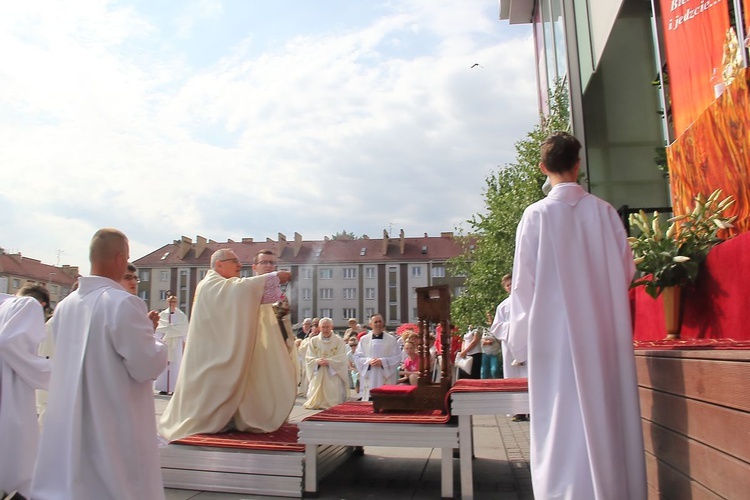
(490, 241)
(343, 235)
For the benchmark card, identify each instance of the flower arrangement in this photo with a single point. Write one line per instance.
(407, 327)
(672, 256)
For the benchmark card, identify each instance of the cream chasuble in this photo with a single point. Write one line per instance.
(236, 367)
(329, 385)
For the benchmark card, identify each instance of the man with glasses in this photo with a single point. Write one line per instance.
(377, 358)
(130, 282)
(229, 343)
(130, 279)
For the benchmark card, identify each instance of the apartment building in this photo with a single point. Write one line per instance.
(17, 270)
(339, 278)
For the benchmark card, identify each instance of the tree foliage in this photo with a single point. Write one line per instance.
(344, 235)
(489, 243)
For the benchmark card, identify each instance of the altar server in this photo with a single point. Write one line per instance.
(377, 358)
(21, 372)
(172, 330)
(99, 437)
(570, 319)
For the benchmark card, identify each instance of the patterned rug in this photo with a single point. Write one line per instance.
(666, 345)
(283, 439)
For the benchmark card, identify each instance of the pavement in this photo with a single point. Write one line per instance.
(501, 467)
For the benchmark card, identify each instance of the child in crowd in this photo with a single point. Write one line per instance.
(409, 372)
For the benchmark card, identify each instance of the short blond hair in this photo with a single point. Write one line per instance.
(106, 243)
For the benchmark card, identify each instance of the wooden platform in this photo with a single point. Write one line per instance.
(255, 472)
(695, 408)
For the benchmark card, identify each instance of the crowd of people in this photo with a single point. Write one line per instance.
(237, 364)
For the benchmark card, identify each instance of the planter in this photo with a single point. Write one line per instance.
(672, 300)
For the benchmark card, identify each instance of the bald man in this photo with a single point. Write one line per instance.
(99, 437)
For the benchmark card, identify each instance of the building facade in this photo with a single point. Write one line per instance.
(339, 278)
(17, 270)
(605, 52)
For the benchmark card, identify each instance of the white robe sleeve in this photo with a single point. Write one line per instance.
(144, 356)
(522, 292)
(20, 336)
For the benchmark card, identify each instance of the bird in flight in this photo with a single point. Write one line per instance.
(475, 65)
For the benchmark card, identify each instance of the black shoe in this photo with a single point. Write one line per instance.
(162, 393)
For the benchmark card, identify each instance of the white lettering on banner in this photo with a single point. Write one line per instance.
(690, 12)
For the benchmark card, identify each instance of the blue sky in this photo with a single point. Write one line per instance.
(242, 118)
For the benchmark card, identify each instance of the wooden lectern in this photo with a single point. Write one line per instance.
(433, 308)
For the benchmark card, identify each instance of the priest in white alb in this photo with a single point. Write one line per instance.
(99, 436)
(236, 370)
(172, 330)
(570, 321)
(22, 371)
(377, 358)
(327, 368)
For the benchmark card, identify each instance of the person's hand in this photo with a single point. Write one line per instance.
(517, 363)
(154, 317)
(376, 362)
(284, 276)
(322, 362)
(462, 354)
(487, 342)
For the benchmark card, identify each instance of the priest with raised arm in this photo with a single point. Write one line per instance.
(228, 341)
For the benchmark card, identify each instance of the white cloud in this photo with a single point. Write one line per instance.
(351, 129)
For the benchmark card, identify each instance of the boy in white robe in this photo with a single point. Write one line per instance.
(172, 330)
(21, 372)
(570, 319)
(99, 437)
(326, 365)
(377, 358)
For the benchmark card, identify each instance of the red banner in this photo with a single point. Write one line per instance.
(694, 35)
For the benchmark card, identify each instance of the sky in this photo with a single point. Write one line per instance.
(249, 118)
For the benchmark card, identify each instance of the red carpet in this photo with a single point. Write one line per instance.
(685, 344)
(491, 385)
(283, 439)
(361, 411)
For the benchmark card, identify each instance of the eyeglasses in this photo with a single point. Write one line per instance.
(130, 277)
(266, 262)
(234, 259)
